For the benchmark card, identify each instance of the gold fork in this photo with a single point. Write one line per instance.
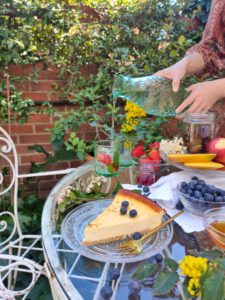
(135, 246)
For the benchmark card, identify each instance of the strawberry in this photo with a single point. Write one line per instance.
(138, 151)
(104, 158)
(154, 155)
(154, 146)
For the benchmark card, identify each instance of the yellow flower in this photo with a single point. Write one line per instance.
(193, 267)
(133, 115)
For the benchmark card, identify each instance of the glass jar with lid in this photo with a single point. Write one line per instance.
(199, 130)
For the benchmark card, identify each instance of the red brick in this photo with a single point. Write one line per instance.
(75, 163)
(34, 139)
(28, 158)
(42, 127)
(56, 96)
(39, 118)
(25, 128)
(23, 85)
(36, 96)
(45, 185)
(42, 85)
(24, 169)
(52, 72)
(58, 166)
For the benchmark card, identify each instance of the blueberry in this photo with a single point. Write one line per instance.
(136, 235)
(194, 178)
(219, 199)
(204, 190)
(223, 198)
(222, 192)
(201, 182)
(198, 187)
(158, 257)
(106, 292)
(183, 185)
(114, 274)
(135, 286)
(123, 210)
(125, 203)
(139, 186)
(211, 189)
(208, 197)
(197, 194)
(183, 191)
(133, 213)
(190, 192)
(179, 206)
(145, 189)
(191, 185)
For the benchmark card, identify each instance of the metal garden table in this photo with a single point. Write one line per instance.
(77, 277)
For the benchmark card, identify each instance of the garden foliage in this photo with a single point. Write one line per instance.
(122, 36)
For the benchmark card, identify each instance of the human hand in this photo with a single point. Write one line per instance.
(203, 96)
(175, 72)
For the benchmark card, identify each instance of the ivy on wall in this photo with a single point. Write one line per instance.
(122, 36)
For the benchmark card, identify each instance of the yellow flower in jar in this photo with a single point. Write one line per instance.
(133, 115)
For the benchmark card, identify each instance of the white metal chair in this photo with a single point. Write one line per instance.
(15, 248)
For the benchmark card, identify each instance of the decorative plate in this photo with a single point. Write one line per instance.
(73, 228)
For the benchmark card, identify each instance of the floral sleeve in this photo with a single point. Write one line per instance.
(212, 45)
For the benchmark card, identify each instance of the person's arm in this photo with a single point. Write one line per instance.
(208, 56)
(192, 63)
(212, 46)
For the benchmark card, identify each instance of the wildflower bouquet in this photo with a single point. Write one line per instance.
(81, 192)
(197, 277)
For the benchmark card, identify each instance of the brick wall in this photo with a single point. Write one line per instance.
(34, 131)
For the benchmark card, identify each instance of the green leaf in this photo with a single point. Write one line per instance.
(181, 39)
(173, 53)
(212, 284)
(171, 264)
(165, 282)
(209, 254)
(110, 168)
(116, 158)
(117, 187)
(185, 289)
(144, 271)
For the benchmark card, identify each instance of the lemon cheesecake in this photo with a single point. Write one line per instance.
(129, 212)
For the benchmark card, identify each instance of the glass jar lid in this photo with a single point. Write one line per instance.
(199, 118)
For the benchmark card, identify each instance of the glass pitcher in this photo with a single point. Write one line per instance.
(152, 93)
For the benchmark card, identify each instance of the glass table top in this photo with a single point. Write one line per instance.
(81, 277)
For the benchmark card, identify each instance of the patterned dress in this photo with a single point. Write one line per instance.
(212, 45)
(212, 49)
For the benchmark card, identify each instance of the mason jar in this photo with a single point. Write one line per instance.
(199, 129)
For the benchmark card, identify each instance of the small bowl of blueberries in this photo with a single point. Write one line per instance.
(197, 196)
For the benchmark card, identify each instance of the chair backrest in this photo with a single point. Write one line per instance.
(9, 184)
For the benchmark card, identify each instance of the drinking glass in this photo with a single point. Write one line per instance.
(146, 174)
(107, 159)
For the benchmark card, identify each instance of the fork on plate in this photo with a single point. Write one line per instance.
(135, 246)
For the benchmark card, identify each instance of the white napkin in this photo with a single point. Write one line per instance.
(165, 194)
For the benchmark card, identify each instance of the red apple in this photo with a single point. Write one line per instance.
(217, 146)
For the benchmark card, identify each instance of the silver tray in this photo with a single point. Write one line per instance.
(73, 226)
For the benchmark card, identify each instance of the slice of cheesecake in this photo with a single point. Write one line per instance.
(111, 225)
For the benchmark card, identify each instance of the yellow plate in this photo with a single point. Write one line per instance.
(192, 158)
(204, 165)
